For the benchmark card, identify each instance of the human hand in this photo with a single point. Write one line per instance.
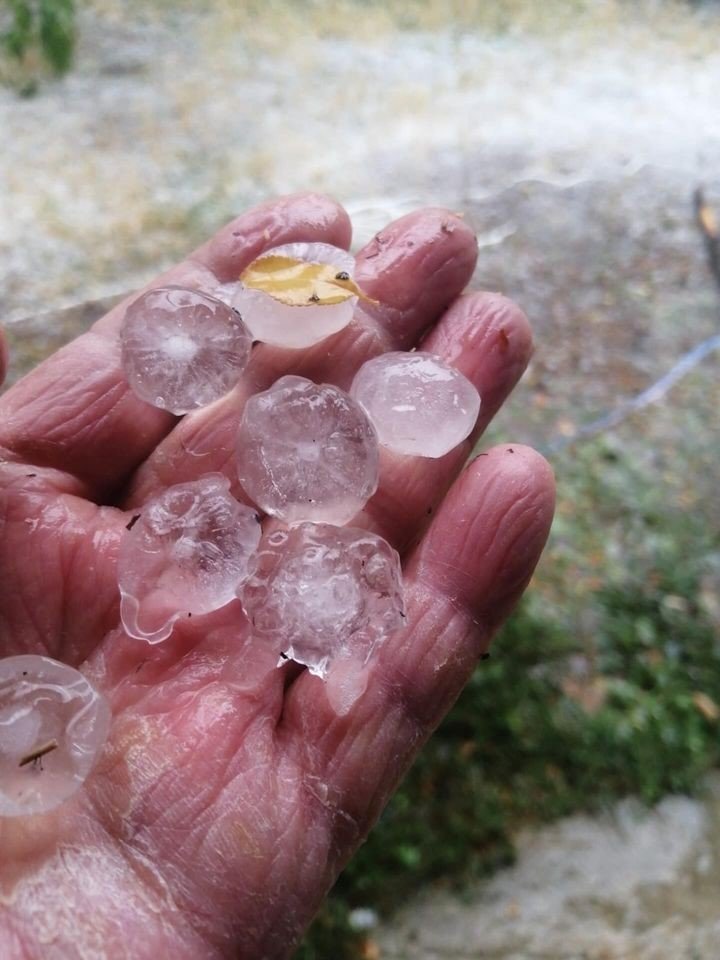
(230, 793)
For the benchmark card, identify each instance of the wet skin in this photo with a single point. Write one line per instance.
(230, 793)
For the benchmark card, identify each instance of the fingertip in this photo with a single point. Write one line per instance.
(504, 323)
(3, 356)
(488, 338)
(295, 217)
(489, 533)
(418, 231)
(415, 267)
(519, 464)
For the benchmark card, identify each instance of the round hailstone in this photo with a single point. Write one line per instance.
(320, 593)
(53, 724)
(419, 404)
(185, 554)
(294, 326)
(307, 451)
(182, 349)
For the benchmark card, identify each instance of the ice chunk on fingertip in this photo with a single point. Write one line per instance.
(186, 553)
(294, 326)
(421, 406)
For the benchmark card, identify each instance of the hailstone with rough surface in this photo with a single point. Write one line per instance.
(307, 451)
(185, 554)
(53, 725)
(420, 405)
(182, 349)
(287, 325)
(320, 593)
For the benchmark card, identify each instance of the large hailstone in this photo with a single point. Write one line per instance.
(182, 349)
(307, 451)
(320, 593)
(186, 553)
(53, 725)
(292, 306)
(420, 405)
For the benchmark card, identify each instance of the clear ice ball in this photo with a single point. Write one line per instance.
(53, 725)
(307, 451)
(321, 593)
(290, 326)
(420, 405)
(182, 349)
(185, 554)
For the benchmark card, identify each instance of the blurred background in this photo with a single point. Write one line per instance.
(568, 807)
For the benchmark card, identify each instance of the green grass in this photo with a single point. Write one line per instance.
(592, 693)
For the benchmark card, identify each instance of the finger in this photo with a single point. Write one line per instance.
(57, 568)
(488, 339)
(3, 357)
(433, 246)
(76, 413)
(461, 582)
(425, 261)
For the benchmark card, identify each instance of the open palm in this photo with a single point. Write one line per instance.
(231, 793)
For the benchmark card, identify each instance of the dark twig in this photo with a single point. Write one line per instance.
(710, 230)
(38, 753)
(708, 226)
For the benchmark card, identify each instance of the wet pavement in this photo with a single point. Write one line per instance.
(630, 885)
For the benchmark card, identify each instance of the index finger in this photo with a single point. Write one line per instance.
(76, 412)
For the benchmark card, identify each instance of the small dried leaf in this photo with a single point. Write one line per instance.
(590, 694)
(706, 705)
(708, 221)
(300, 284)
(370, 950)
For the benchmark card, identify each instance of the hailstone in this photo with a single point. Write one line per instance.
(182, 349)
(53, 724)
(185, 554)
(307, 451)
(294, 306)
(420, 405)
(321, 593)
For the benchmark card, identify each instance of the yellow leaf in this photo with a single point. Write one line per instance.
(708, 221)
(300, 284)
(706, 705)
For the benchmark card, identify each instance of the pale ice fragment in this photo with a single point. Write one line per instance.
(53, 725)
(420, 405)
(182, 349)
(307, 451)
(185, 554)
(320, 594)
(293, 326)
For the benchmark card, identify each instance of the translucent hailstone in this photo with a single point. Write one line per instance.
(307, 451)
(185, 554)
(53, 724)
(182, 349)
(321, 593)
(293, 326)
(419, 404)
